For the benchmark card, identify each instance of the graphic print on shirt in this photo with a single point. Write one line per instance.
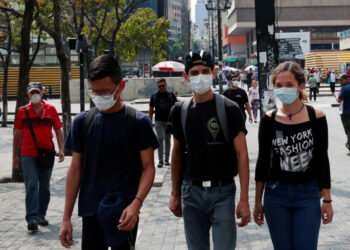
(294, 150)
(213, 127)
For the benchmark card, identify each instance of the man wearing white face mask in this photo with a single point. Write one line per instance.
(112, 165)
(238, 95)
(42, 117)
(209, 149)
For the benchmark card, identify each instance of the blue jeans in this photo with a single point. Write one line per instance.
(37, 184)
(213, 207)
(293, 215)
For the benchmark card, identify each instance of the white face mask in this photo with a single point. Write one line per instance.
(106, 102)
(35, 98)
(201, 83)
(235, 83)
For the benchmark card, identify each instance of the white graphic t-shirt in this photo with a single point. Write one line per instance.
(254, 93)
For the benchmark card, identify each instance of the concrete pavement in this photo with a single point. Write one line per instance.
(159, 229)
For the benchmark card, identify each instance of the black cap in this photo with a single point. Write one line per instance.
(343, 76)
(194, 56)
(34, 86)
(161, 80)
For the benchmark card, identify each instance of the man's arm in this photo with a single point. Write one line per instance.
(16, 141)
(150, 112)
(176, 165)
(59, 136)
(130, 214)
(240, 146)
(72, 189)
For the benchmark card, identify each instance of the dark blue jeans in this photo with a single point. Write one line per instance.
(293, 215)
(37, 184)
(204, 208)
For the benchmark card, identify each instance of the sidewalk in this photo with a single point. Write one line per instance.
(159, 229)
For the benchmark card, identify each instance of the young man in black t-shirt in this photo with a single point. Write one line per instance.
(238, 95)
(205, 161)
(162, 100)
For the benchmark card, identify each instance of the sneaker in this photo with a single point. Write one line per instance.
(32, 225)
(43, 222)
(160, 165)
(167, 163)
(347, 146)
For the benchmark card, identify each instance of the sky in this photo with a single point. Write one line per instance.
(193, 4)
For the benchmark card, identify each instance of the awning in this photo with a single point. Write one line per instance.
(234, 59)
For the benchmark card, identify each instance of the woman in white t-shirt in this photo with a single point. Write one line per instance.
(254, 99)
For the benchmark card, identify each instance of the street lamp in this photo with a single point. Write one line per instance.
(210, 6)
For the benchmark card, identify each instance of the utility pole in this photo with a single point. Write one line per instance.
(267, 48)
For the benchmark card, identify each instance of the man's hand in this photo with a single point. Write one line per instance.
(66, 234)
(129, 216)
(326, 213)
(175, 205)
(15, 162)
(250, 118)
(243, 213)
(259, 214)
(60, 156)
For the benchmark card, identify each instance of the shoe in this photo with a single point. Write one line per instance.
(347, 146)
(255, 121)
(43, 222)
(32, 225)
(160, 165)
(167, 163)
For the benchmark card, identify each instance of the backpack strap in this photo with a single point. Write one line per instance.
(312, 113)
(89, 120)
(221, 111)
(184, 111)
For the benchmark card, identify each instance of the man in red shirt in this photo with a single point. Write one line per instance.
(43, 117)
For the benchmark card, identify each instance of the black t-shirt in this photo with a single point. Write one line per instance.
(237, 95)
(249, 77)
(162, 103)
(298, 152)
(208, 156)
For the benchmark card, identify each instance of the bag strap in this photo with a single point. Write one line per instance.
(89, 119)
(221, 111)
(30, 127)
(184, 111)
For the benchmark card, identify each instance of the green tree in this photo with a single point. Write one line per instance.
(123, 28)
(175, 49)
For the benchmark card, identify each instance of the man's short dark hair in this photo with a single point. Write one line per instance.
(105, 66)
(343, 76)
(161, 80)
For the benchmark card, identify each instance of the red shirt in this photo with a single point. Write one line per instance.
(42, 124)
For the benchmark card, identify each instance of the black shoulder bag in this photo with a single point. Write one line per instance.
(46, 157)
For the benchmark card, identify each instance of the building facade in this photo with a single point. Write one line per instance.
(323, 19)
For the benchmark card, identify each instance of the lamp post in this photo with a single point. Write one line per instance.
(210, 6)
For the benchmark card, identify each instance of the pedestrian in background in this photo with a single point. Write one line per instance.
(332, 80)
(42, 117)
(293, 166)
(209, 150)
(50, 92)
(161, 101)
(239, 95)
(344, 99)
(249, 78)
(254, 99)
(313, 87)
(112, 165)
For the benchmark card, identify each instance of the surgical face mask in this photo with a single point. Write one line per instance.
(35, 98)
(201, 83)
(286, 95)
(235, 83)
(105, 102)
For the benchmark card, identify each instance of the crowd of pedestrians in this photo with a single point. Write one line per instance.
(112, 167)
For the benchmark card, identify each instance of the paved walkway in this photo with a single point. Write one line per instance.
(159, 229)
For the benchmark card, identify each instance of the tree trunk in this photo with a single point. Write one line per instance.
(4, 94)
(23, 78)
